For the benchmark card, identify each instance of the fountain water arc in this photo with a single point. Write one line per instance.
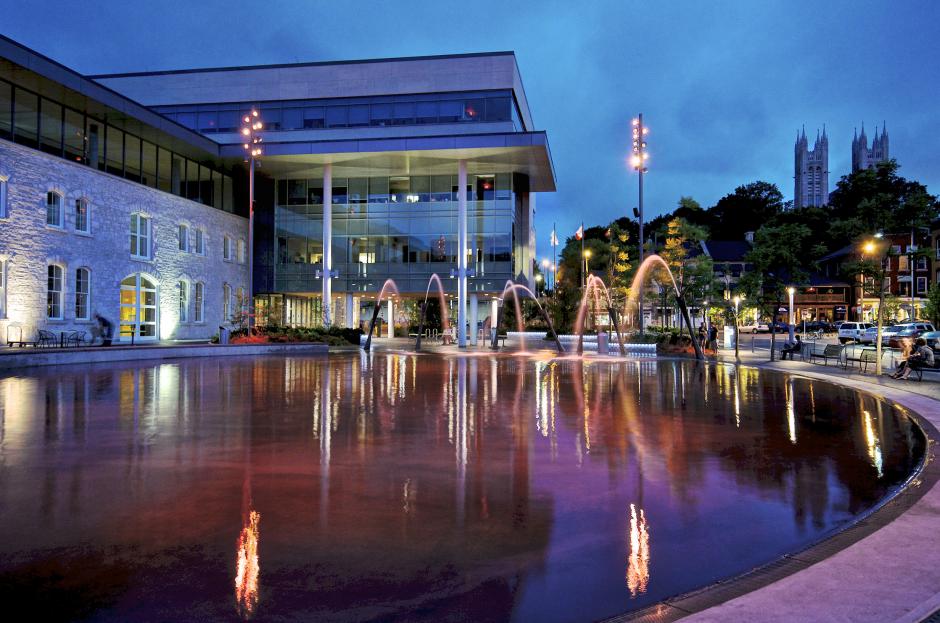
(595, 286)
(424, 308)
(640, 279)
(388, 286)
(520, 324)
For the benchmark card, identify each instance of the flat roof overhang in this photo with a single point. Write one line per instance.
(522, 152)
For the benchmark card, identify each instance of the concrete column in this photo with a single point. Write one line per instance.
(349, 311)
(474, 309)
(494, 312)
(355, 315)
(327, 243)
(462, 253)
(390, 331)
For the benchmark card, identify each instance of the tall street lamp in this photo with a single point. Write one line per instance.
(870, 248)
(791, 290)
(587, 257)
(638, 160)
(251, 141)
(737, 303)
(545, 267)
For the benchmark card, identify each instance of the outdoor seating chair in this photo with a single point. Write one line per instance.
(831, 351)
(867, 357)
(75, 338)
(47, 338)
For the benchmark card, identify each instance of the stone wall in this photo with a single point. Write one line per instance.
(28, 245)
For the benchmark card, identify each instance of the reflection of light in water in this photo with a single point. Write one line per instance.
(791, 411)
(874, 448)
(737, 400)
(406, 496)
(247, 569)
(638, 562)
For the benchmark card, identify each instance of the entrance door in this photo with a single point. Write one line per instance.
(138, 309)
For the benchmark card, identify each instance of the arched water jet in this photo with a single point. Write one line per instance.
(390, 286)
(424, 308)
(595, 285)
(638, 282)
(513, 287)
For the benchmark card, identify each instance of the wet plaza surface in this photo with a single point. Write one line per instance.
(398, 487)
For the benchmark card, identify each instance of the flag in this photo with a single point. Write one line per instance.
(580, 233)
(554, 240)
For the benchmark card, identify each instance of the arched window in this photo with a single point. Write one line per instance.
(53, 209)
(198, 298)
(140, 236)
(200, 248)
(183, 237)
(183, 288)
(139, 307)
(54, 287)
(81, 216)
(227, 248)
(240, 251)
(226, 302)
(4, 212)
(82, 294)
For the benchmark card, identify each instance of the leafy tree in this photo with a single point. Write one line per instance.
(781, 259)
(746, 209)
(932, 308)
(619, 266)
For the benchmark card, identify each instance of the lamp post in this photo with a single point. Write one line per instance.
(251, 142)
(791, 290)
(737, 302)
(587, 257)
(545, 267)
(638, 160)
(870, 248)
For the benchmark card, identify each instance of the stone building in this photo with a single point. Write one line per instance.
(811, 171)
(864, 157)
(106, 207)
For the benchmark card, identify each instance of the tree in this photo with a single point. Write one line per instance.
(692, 270)
(933, 305)
(746, 209)
(781, 258)
(619, 267)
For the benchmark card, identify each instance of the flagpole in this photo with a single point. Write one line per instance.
(554, 259)
(583, 276)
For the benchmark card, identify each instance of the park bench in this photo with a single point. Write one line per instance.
(831, 351)
(867, 357)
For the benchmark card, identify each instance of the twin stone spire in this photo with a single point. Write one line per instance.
(811, 166)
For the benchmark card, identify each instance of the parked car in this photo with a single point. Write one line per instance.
(933, 339)
(908, 331)
(852, 331)
(755, 327)
(869, 335)
(816, 325)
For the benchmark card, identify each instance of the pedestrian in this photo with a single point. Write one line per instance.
(104, 328)
(795, 346)
(713, 338)
(921, 357)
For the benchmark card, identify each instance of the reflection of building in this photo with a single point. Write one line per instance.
(108, 207)
(396, 148)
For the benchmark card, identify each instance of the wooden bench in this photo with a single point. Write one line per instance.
(831, 351)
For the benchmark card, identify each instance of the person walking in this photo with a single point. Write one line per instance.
(713, 337)
(104, 328)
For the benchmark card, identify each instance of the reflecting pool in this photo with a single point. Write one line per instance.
(402, 487)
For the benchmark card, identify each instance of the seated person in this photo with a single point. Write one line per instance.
(921, 357)
(793, 347)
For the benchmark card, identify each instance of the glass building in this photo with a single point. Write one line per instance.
(403, 152)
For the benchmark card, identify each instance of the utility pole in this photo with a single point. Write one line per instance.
(639, 165)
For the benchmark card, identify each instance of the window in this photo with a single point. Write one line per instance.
(140, 236)
(886, 286)
(921, 285)
(81, 216)
(200, 248)
(242, 258)
(183, 288)
(183, 238)
(922, 263)
(53, 209)
(3, 198)
(903, 265)
(3, 288)
(227, 248)
(82, 292)
(198, 295)
(226, 302)
(54, 293)
(239, 302)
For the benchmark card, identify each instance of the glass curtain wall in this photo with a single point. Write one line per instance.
(403, 228)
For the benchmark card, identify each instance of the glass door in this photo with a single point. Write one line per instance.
(138, 309)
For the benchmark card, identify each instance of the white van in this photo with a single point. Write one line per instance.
(852, 331)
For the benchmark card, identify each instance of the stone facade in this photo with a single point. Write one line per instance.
(28, 246)
(864, 157)
(811, 171)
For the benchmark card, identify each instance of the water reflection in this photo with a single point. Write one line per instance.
(486, 487)
(638, 561)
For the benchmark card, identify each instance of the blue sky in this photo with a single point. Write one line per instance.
(723, 85)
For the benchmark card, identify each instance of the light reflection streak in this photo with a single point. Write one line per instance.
(874, 447)
(247, 566)
(638, 560)
(791, 411)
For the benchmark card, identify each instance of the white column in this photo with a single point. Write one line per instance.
(474, 309)
(349, 311)
(494, 313)
(356, 314)
(327, 243)
(390, 331)
(462, 253)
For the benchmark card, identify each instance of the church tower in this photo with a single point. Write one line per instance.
(865, 158)
(811, 171)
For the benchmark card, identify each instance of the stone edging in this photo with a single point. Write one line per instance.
(880, 568)
(13, 359)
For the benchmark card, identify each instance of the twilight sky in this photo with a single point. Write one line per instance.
(722, 85)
